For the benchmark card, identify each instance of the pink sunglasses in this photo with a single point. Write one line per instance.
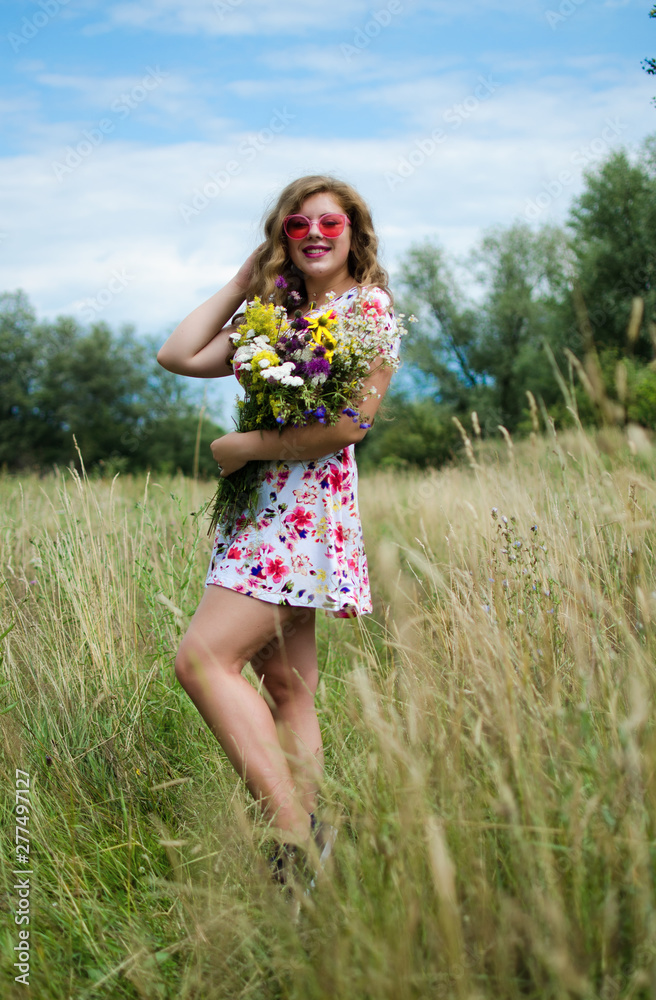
(330, 225)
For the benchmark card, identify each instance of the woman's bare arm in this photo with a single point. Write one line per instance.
(303, 444)
(200, 345)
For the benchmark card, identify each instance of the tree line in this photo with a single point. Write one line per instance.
(574, 303)
(62, 383)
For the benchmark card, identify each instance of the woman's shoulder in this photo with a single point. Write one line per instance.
(373, 295)
(376, 294)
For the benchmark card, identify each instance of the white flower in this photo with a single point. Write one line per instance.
(264, 363)
(280, 372)
(244, 353)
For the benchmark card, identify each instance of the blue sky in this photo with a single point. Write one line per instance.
(121, 119)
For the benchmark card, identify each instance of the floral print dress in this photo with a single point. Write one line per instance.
(306, 548)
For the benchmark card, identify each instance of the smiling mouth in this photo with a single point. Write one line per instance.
(315, 251)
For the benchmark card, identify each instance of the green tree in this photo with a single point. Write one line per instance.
(90, 386)
(17, 372)
(649, 65)
(60, 380)
(484, 356)
(524, 274)
(441, 344)
(612, 225)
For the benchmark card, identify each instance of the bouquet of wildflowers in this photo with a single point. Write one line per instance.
(298, 372)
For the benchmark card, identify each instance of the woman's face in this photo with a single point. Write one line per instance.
(316, 256)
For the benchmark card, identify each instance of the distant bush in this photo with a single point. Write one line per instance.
(61, 383)
(642, 407)
(418, 434)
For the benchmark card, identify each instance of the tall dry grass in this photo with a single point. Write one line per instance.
(490, 744)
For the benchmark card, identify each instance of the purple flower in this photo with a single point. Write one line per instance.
(318, 366)
(365, 426)
(280, 420)
(280, 282)
(300, 324)
(349, 412)
(295, 297)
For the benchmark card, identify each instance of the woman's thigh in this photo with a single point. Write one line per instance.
(289, 666)
(227, 630)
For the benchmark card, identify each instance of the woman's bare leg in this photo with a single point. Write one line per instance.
(290, 673)
(227, 630)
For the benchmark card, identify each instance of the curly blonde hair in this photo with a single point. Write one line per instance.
(273, 258)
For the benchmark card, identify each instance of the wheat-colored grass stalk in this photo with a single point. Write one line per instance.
(489, 742)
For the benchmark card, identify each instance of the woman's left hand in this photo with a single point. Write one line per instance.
(230, 452)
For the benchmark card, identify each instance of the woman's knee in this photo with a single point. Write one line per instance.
(184, 668)
(192, 664)
(289, 687)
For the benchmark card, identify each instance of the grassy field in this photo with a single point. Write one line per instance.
(490, 745)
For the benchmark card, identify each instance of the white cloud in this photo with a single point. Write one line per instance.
(164, 100)
(153, 88)
(228, 17)
(118, 211)
(17, 105)
(251, 17)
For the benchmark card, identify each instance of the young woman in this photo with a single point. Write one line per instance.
(266, 580)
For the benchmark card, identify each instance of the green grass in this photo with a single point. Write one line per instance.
(489, 731)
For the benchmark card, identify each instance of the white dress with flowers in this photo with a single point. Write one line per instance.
(306, 548)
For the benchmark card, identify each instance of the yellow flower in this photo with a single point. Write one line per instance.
(266, 321)
(321, 330)
(269, 356)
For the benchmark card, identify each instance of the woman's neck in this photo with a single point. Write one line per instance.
(318, 295)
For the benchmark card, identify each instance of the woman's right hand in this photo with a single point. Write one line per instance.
(243, 275)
